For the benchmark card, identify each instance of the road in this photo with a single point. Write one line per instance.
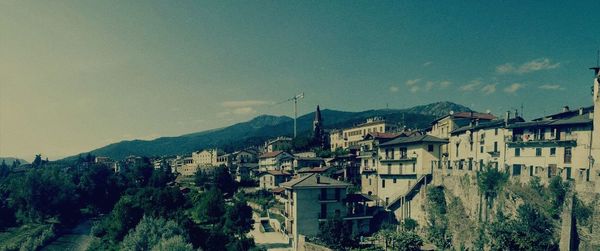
(76, 239)
(273, 241)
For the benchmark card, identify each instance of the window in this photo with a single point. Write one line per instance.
(516, 170)
(457, 149)
(568, 155)
(495, 147)
(553, 151)
(568, 172)
(414, 167)
(403, 153)
(470, 164)
(495, 131)
(337, 194)
(517, 152)
(382, 183)
(394, 180)
(430, 148)
(481, 149)
(538, 152)
(369, 182)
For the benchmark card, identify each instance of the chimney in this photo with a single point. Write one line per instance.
(580, 110)
(566, 108)
(506, 118)
(318, 179)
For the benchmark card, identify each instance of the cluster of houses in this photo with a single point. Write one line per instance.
(389, 166)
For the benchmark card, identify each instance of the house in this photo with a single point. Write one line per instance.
(404, 167)
(296, 163)
(272, 178)
(312, 199)
(368, 158)
(278, 144)
(207, 157)
(345, 138)
(273, 160)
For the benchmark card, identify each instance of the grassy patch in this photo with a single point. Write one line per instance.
(28, 236)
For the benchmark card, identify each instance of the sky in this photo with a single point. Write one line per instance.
(77, 75)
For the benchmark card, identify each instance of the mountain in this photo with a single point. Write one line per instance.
(263, 127)
(10, 160)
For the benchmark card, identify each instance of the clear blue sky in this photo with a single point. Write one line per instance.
(76, 75)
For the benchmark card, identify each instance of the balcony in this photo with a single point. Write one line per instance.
(526, 140)
(402, 158)
(494, 154)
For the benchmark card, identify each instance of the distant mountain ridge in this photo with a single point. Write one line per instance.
(10, 160)
(263, 127)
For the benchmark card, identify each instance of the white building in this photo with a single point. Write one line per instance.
(405, 165)
(348, 137)
(207, 157)
(273, 160)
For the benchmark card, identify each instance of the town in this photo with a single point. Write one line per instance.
(377, 174)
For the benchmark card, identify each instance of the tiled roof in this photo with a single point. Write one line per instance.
(276, 173)
(313, 170)
(310, 181)
(474, 115)
(575, 120)
(270, 154)
(414, 139)
(490, 124)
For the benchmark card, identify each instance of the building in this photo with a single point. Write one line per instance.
(273, 160)
(557, 144)
(278, 144)
(319, 137)
(404, 167)
(473, 146)
(368, 157)
(207, 157)
(272, 179)
(313, 198)
(345, 138)
(595, 149)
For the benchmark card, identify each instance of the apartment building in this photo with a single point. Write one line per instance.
(404, 167)
(207, 157)
(273, 160)
(313, 198)
(368, 157)
(345, 138)
(442, 127)
(272, 179)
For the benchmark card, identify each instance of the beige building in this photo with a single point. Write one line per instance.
(278, 144)
(368, 156)
(312, 199)
(273, 160)
(595, 150)
(272, 179)
(207, 157)
(405, 165)
(442, 127)
(345, 138)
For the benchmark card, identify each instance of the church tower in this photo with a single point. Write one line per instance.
(596, 131)
(318, 132)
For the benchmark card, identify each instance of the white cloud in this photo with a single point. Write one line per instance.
(394, 88)
(414, 88)
(244, 103)
(429, 85)
(531, 66)
(471, 86)
(427, 63)
(445, 84)
(489, 89)
(412, 82)
(551, 87)
(243, 111)
(513, 88)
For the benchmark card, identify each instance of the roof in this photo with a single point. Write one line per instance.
(491, 124)
(567, 113)
(381, 135)
(575, 120)
(310, 181)
(309, 158)
(313, 170)
(469, 115)
(271, 154)
(414, 139)
(277, 190)
(276, 173)
(357, 197)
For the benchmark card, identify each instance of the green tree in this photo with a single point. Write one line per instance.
(175, 243)
(337, 233)
(211, 206)
(224, 181)
(149, 233)
(4, 169)
(238, 219)
(558, 191)
(201, 179)
(437, 220)
(37, 161)
(490, 181)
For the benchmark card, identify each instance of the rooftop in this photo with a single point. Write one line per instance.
(469, 115)
(414, 140)
(313, 181)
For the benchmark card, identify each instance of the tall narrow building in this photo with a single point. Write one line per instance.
(318, 132)
(596, 124)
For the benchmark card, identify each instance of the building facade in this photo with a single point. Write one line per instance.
(345, 138)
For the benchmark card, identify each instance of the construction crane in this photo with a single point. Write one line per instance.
(295, 99)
